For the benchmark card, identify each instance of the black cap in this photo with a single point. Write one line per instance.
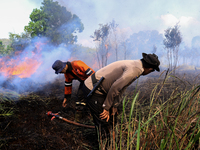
(152, 60)
(58, 66)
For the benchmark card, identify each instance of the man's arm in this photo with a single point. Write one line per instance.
(113, 96)
(68, 90)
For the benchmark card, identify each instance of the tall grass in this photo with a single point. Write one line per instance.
(6, 109)
(7, 97)
(172, 123)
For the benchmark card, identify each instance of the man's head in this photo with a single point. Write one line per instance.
(150, 63)
(59, 66)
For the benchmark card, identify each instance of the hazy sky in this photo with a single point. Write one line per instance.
(131, 15)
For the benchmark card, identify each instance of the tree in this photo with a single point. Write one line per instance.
(113, 29)
(101, 37)
(143, 41)
(19, 42)
(123, 44)
(172, 41)
(54, 22)
(5, 51)
(1, 48)
(38, 25)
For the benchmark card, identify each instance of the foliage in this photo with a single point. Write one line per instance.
(55, 22)
(172, 123)
(144, 41)
(101, 37)
(113, 29)
(19, 42)
(6, 98)
(5, 51)
(37, 25)
(172, 37)
(159, 114)
(5, 42)
(172, 41)
(113, 44)
(1, 46)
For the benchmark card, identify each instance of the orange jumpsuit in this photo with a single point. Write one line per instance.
(77, 70)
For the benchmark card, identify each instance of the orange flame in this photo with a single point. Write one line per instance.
(106, 45)
(21, 68)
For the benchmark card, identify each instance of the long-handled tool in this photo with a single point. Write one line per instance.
(56, 115)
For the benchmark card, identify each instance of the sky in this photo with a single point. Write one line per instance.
(131, 15)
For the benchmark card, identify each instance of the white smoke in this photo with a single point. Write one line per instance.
(46, 55)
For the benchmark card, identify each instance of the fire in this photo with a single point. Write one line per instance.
(23, 67)
(106, 45)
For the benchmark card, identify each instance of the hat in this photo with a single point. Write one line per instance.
(58, 66)
(152, 60)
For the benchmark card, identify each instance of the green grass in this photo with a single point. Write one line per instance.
(6, 98)
(166, 116)
(172, 123)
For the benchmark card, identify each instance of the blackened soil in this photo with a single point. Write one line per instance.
(30, 128)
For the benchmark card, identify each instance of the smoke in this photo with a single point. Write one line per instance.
(131, 15)
(43, 55)
(154, 15)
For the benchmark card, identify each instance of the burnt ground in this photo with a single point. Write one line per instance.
(30, 128)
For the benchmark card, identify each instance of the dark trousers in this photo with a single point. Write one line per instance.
(95, 103)
(79, 95)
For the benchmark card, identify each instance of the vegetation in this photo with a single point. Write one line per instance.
(6, 98)
(55, 22)
(157, 113)
(51, 21)
(161, 113)
(19, 42)
(172, 41)
(5, 48)
(5, 42)
(106, 40)
(101, 38)
(171, 123)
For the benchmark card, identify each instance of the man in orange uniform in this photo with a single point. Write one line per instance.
(74, 70)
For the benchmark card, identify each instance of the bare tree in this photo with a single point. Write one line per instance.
(123, 44)
(101, 37)
(113, 29)
(172, 41)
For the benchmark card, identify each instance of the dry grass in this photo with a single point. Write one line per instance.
(165, 117)
(160, 112)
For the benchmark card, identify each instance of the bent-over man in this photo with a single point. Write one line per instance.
(74, 70)
(117, 77)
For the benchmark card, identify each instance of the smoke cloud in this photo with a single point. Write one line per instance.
(39, 51)
(142, 26)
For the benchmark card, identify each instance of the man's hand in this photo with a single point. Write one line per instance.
(105, 115)
(64, 104)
